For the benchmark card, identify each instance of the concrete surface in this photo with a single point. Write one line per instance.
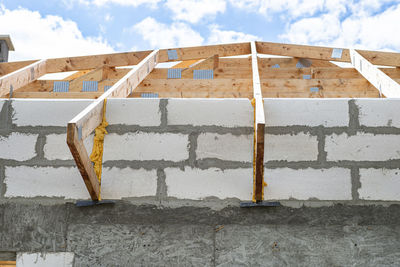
(49, 259)
(125, 234)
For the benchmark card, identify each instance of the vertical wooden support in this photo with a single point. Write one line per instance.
(85, 122)
(259, 126)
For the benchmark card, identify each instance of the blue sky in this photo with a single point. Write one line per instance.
(43, 29)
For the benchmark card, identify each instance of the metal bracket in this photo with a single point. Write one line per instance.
(172, 54)
(32, 74)
(107, 87)
(149, 95)
(203, 74)
(251, 204)
(80, 132)
(11, 91)
(314, 89)
(174, 74)
(90, 86)
(337, 53)
(276, 66)
(307, 77)
(60, 86)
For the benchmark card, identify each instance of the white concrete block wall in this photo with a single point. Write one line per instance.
(2, 101)
(208, 112)
(290, 147)
(45, 259)
(18, 146)
(56, 147)
(199, 184)
(119, 183)
(146, 146)
(225, 147)
(362, 147)
(49, 112)
(308, 184)
(379, 112)
(379, 184)
(136, 111)
(308, 112)
(26, 181)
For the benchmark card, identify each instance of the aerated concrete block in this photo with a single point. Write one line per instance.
(56, 147)
(50, 112)
(18, 146)
(306, 112)
(218, 112)
(135, 111)
(146, 146)
(199, 184)
(362, 147)
(380, 184)
(379, 112)
(304, 184)
(225, 147)
(296, 147)
(45, 259)
(118, 183)
(24, 181)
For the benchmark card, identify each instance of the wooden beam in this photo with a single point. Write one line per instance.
(91, 116)
(376, 77)
(22, 77)
(326, 53)
(56, 95)
(86, 121)
(8, 67)
(83, 162)
(95, 61)
(259, 126)
(200, 52)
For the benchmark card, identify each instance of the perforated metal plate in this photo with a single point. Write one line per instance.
(314, 89)
(90, 86)
(276, 66)
(337, 53)
(107, 87)
(60, 86)
(307, 77)
(172, 54)
(203, 74)
(149, 95)
(174, 73)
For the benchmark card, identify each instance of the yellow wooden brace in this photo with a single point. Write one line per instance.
(97, 152)
(253, 103)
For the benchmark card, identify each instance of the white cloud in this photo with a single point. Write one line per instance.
(35, 36)
(161, 35)
(100, 3)
(195, 10)
(218, 36)
(361, 29)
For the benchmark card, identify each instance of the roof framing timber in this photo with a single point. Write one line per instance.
(85, 122)
(375, 76)
(259, 126)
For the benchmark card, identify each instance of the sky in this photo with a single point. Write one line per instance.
(47, 29)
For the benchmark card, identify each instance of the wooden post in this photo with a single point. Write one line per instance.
(259, 126)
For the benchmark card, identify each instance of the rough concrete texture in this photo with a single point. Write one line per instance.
(372, 114)
(125, 234)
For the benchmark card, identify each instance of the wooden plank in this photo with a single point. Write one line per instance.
(95, 61)
(91, 116)
(200, 52)
(325, 53)
(376, 77)
(62, 95)
(83, 162)
(22, 77)
(259, 126)
(8, 67)
(274, 63)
